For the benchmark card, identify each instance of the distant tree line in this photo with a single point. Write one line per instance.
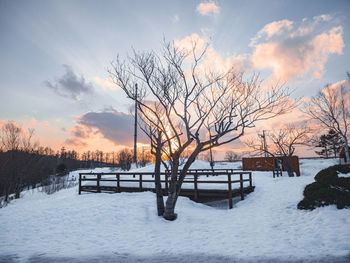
(25, 165)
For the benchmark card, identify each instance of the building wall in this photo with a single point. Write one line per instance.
(268, 164)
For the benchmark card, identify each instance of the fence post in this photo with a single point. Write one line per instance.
(229, 191)
(98, 183)
(250, 179)
(79, 183)
(195, 187)
(118, 183)
(140, 182)
(241, 185)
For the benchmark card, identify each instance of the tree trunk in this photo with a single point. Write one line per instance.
(289, 166)
(175, 186)
(169, 212)
(346, 150)
(7, 193)
(334, 150)
(157, 179)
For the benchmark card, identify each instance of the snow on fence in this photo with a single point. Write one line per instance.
(197, 185)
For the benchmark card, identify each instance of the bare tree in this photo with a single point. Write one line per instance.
(11, 136)
(282, 143)
(124, 158)
(194, 101)
(331, 108)
(231, 156)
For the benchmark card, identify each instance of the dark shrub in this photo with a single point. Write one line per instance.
(328, 189)
(61, 169)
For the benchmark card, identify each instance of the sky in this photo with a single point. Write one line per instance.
(55, 56)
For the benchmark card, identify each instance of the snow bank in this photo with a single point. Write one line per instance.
(266, 224)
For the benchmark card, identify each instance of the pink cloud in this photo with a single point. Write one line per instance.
(75, 142)
(341, 90)
(302, 49)
(80, 131)
(107, 84)
(274, 28)
(212, 61)
(30, 124)
(208, 8)
(186, 43)
(3, 123)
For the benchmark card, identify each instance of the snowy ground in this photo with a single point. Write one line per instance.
(265, 227)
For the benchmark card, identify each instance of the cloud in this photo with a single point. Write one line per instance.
(340, 89)
(292, 50)
(208, 8)
(75, 142)
(274, 28)
(188, 42)
(80, 131)
(111, 124)
(34, 124)
(323, 17)
(70, 85)
(212, 60)
(5, 123)
(107, 84)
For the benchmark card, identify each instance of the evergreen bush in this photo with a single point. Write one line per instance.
(328, 189)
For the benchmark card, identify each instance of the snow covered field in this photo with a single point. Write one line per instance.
(265, 227)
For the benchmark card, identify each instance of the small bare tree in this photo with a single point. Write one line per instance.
(194, 101)
(125, 158)
(11, 136)
(231, 156)
(282, 143)
(331, 108)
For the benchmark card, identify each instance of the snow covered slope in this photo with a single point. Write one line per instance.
(267, 225)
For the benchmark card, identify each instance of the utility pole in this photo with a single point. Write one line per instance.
(263, 136)
(135, 128)
(211, 154)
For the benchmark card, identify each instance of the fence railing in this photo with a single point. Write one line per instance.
(233, 170)
(137, 181)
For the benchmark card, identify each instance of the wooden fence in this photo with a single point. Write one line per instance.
(137, 181)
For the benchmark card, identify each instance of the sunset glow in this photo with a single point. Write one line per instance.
(55, 56)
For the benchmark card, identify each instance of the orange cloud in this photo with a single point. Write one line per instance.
(208, 8)
(34, 124)
(293, 50)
